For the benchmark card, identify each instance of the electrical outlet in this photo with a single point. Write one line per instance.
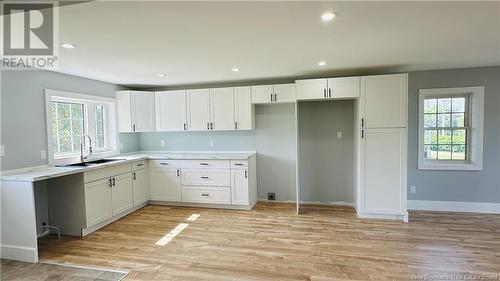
(271, 196)
(43, 154)
(413, 189)
(212, 143)
(162, 143)
(340, 135)
(2, 150)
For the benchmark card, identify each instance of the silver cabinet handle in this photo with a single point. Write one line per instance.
(138, 165)
(134, 176)
(110, 183)
(329, 92)
(185, 126)
(205, 194)
(324, 93)
(133, 127)
(163, 163)
(204, 177)
(114, 182)
(246, 174)
(236, 125)
(203, 164)
(211, 126)
(208, 125)
(178, 173)
(238, 164)
(275, 97)
(271, 97)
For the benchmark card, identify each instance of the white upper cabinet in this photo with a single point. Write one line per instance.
(279, 93)
(384, 100)
(171, 111)
(222, 109)
(135, 111)
(262, 93)
(344, 87)
(243, 109)
(332, 88)
(311, 89)
(199, 109)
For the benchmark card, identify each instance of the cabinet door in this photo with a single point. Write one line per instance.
(311, 89)
(123, 111)
(383, 171)
(262, 93)
(165, 184)
(143, 111)
(98, 205)
(344, 87)
(243, 109)
(222, 109)
(140, 185)
(122, 193)
(239, 187)
(383, 100)
(198, 109)
(284, 93)
(171, 111)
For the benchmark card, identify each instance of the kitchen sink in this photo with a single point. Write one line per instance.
(91, 163)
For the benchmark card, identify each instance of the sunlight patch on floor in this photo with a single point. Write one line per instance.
(193, 217)
(171, 235)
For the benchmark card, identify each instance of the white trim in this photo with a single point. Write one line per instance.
(364, 215)
(452, 206)
(17, 253)
(111, 125)
(476, 129)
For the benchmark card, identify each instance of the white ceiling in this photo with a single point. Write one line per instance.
(129, 43)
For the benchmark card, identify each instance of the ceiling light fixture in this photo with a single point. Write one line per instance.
(235, 69)
(68, 45)
(162, 75)
(322, 63)
(328, 16)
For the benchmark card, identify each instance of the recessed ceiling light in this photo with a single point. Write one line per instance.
(328, 16)
(322, 63)
(235, 69)
(162, 75)
(68, 45)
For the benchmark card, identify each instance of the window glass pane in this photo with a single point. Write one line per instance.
(77, 111)
(444, 120)
(76, 142)
(430, 152)
(444, 105)
(100, 141)
(77, 127)
(430, 106)
(65, 142)
(430, 137)
(458, 104)
(457, 119)
(459, 136)
(444, 152)
(99, 127)
(429, 120)
(63, 110)
(444, 137)
(458, 152)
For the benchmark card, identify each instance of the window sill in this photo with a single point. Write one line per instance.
(450, 167)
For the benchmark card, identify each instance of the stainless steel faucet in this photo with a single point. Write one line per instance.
(82, 144)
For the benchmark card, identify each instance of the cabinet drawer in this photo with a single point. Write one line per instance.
(206, 177)
(167, 164)
(101, 173)
(213, 195)
(137, 165)
(239, 164)
(206, 164)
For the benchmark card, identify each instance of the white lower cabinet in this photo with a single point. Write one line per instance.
(140, 186)
(165, 184)
(383, 172)
(239, 187)
(121, 193)
(98, 203)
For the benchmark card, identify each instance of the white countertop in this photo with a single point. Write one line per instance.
(39, 173)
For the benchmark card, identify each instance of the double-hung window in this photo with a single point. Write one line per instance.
(450, 128)
(72, 118)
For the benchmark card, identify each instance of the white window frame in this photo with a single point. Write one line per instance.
(474, 160)
(111, 125)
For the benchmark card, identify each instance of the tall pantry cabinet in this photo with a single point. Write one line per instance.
(382, 145)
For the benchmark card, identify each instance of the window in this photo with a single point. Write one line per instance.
(72, 116)
(450, 128)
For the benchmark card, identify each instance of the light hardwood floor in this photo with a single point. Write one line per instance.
(271, 242)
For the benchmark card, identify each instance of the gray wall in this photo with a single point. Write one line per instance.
(273, 139)
(22, 98)
(326, 163)
(465, 186)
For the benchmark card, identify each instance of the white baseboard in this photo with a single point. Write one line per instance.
(339, 203)
(450, 206)
(19, 253)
